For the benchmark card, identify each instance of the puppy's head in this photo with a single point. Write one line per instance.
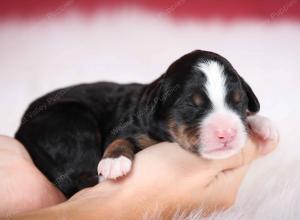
(206, 112)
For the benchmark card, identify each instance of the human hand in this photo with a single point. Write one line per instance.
(165, 178)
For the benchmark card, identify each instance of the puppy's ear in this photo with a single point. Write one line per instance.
(253, 103)
(159, 96)
(152, 92)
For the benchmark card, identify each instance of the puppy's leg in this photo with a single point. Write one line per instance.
(263, 127)
(117, 159)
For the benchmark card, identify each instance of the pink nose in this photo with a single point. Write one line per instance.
(226, 135)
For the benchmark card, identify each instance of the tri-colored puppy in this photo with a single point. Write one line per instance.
(200, 102)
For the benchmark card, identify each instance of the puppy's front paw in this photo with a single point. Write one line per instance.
(112, 168)
(263, 127)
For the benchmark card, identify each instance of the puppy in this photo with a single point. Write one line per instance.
(200, 102)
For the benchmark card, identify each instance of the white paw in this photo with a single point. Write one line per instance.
(263, 127)
(112, 168)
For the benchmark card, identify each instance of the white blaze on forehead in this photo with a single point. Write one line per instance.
(215, 84)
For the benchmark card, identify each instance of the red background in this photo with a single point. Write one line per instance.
(228, 9)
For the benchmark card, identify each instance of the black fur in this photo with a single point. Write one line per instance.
(67, 131)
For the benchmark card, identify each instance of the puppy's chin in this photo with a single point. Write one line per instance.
(220, 154)
(218, 151)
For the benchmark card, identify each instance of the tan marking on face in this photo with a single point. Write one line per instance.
(186, 137)
(119, 147)
(145, 141)
(198, 99)
(236, 96)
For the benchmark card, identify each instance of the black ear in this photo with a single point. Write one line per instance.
(158, 96)
(253, 103)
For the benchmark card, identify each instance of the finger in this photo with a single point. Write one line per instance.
(253, 149)
(222, 191)
(230, 180)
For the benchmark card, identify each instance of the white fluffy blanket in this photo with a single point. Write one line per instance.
(36, 57)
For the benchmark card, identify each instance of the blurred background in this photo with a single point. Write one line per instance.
(47, 44)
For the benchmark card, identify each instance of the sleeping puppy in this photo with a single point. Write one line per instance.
(200, 102)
